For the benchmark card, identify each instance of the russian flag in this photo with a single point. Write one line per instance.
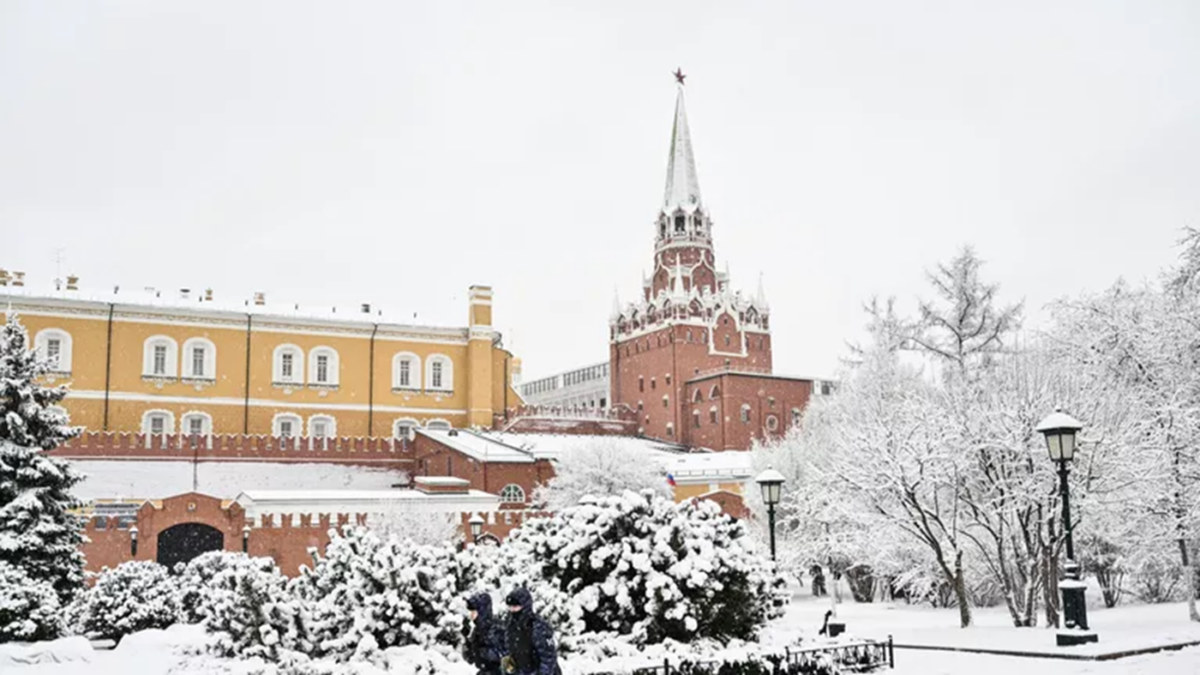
(671, 480)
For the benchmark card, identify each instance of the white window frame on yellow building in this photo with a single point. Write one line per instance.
(170, 360)
(297, 376)
(185, 423)
(295, 420)
(446, 375)
(330, 423)
(332, 366)
(414, 371)
(168, 422)
(42, 343)
(408, 424)
(209, 372)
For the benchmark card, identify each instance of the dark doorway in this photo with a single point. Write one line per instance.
(181, 543)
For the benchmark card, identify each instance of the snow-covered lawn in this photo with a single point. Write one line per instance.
(1120, 628)
(163, 652)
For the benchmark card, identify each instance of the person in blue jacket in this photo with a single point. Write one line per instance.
(485, 644)
(529, 642)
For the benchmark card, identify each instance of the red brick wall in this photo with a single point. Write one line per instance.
(286, 538)
(434, 459)
(669, 354)
(736, 390)
(365, 451)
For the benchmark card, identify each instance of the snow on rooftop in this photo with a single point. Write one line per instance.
(733, 464)
(150, 479)
(442, 481)
(730, 466)
(553, 446)
(195, 302)
(489, 448)
(260, 502)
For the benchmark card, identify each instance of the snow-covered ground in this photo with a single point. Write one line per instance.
(1120, 628)
(113, 479)
(1128, 627)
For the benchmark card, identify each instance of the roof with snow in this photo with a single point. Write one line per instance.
(257, 502)
(683, 186)
(686, 467)
(554, 446)
(153, 479)
(489, 448)
(175, 302)
(731, 466)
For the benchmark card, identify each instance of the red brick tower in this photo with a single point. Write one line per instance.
(690, 327)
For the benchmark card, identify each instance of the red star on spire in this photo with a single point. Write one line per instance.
(679, 76)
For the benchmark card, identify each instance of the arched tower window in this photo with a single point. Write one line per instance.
(512, 494)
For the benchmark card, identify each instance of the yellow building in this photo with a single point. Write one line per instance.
(188, 365)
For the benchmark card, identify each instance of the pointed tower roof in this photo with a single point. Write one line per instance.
(760, 298)
(616, 306)
(683, 187)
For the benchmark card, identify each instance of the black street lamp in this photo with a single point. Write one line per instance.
(246, 538)
(771, 482)
(1060, 430)
(476, 523)
(133, 541)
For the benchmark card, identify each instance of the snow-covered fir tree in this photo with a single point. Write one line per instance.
(133, 596)
(37, 532)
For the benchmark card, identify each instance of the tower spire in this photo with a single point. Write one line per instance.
(683, 187)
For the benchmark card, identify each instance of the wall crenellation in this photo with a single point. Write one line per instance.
(370, 450)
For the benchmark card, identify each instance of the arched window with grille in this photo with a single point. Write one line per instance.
(512, 494)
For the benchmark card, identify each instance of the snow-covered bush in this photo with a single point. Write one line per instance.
(251, 613)
(641, 565)
(391, 592)
(199, 586)
(29, 609)
(133, 596)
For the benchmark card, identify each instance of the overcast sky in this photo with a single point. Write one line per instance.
(395, 153)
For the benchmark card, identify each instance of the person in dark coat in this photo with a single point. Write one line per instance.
(485, 644)
(528, 640)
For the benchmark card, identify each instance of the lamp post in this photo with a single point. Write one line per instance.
(246, 538)
(476, 523)
(1060, 430)
(771, 482)
(133, 541)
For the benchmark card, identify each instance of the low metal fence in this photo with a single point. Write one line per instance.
(860, 656)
